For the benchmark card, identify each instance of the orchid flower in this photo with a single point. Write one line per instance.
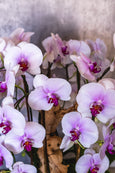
(77, 47)
(26, 55)
(5, 44)
(109, 139)
(33, 136)
(95, 101)
(57, 51)
(11, 119)
(6, 156)
(91, 62)
(78, 129)
(7, 86)
(48, 91)
(20, 167)
(92, 162)
(86, 68)
(19, 35)
(98, 48)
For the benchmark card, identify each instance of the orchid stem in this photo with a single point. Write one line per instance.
(80, 144)
(27, 91)
(67, 75)
(78, 77)
(20, 88)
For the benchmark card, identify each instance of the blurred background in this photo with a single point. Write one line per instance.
(78, 19)
(71, 19)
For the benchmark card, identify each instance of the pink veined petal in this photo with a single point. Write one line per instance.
(104, 163)
(39, 80)
(92, 90)
(70, 121)
(20, 166)
(8, 101)
(13, 142)
(89, 151)
(83, 164)
(2, 44)
(83, 67)
(109, 99)
(89, 132)
(10, 79)
(47, 43)
(16, 32)
(58, 86)
(66, 143)
(16, 118)
(33, 55)
(104, 118)
(19, 35)
(11, 57)
(38, 100)
(7, 156)
(36, 132)
(79, 47)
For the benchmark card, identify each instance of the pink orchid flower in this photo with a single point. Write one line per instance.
(48, 91)
(95, 101)
(28, 56)
(19, 35)
(33, 136)
(11, 119)
(86, 68)
(76, 128)
(77, 47)
(57, 51)
(92, 162)
(6, 156)
(20, 167)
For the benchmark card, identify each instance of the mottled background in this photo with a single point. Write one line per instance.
(78, 19)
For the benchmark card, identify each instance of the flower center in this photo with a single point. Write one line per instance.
(113, 125)
(64, 50)
(94, 169)
(111, 149)
(52, 98)
(93, 67)
(96, 108)
(27, 143)
(5, 127)
(75, 134)
(23, 64)
(1, 160)
(3, 87)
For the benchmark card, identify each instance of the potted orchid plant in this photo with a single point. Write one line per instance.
(67, 88)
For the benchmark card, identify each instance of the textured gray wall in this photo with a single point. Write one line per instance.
(79, 19)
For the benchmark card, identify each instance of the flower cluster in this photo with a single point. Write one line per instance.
(90, 126)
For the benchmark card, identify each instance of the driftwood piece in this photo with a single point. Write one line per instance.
(52, 142)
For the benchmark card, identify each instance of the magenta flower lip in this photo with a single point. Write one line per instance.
(3, 87)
